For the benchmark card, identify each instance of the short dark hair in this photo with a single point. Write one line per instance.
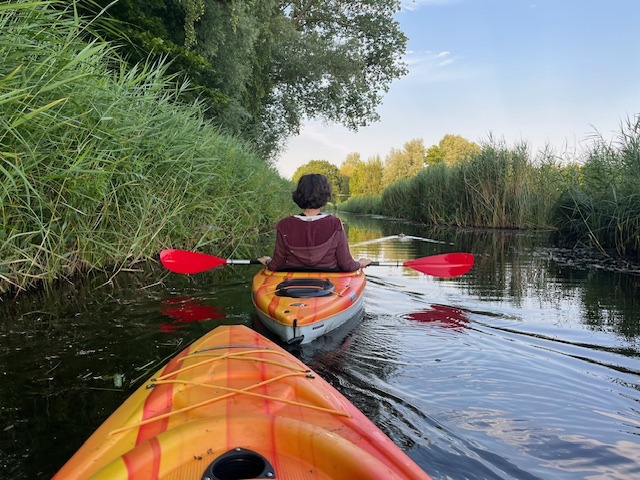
(313, 191)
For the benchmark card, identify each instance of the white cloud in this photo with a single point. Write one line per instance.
(429, 67)
(411, 5)
(427, 57)
(444, 58)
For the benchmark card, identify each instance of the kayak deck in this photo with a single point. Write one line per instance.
(301, 306)
(235, 405)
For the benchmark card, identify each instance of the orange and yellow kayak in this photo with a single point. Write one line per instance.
(234, 405)
(301, 306)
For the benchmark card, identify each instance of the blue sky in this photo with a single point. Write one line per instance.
(549, 72)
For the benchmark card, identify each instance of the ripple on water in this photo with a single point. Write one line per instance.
(454, 390)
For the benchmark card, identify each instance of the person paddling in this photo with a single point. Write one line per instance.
(312, 240)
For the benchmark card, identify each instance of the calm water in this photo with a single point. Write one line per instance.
(525, 368)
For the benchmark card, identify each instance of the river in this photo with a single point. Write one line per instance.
(527, 367)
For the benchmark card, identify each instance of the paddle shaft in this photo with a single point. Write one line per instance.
(443, 265)
(387, 264)
(241, 261)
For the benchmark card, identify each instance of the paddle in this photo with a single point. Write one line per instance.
(445, 265)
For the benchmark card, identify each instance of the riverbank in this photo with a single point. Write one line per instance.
(591, 201)
(102, 167)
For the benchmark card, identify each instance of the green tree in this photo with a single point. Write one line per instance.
(158, 30)
(405, 163)
(434, 155)
(367, 178)
(350, 163)
(235, 38)
(455, 148)
(339, 183)
(262, 66)
(340, 60)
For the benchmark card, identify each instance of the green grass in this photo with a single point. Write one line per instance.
(100, 167)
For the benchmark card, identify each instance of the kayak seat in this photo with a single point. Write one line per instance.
(305, 288)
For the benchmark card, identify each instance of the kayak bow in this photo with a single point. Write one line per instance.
(235, 405)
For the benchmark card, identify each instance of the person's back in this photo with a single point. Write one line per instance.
(312, 240)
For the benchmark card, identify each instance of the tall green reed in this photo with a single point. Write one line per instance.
(100, 167)
(363, 205)
(500, 187)
(601, 208)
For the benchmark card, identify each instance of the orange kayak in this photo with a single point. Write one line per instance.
(301, 306)
(234, 405)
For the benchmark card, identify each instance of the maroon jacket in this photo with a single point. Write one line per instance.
(317, 243)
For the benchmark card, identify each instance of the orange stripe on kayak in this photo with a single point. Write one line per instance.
(272, 448)
(143, 462)
(159, 401)
(228, 403)
(275, 300)
(273, 305)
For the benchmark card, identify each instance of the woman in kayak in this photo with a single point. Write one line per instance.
(312, 240)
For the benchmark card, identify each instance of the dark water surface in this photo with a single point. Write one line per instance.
(526, 368)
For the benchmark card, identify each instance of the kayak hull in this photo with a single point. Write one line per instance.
(236, 405)
(299, 307)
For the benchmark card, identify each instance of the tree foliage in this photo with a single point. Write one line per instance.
(263, 66)
(339, 182)
(452, 149)
(367, 178)
(349, 164)
(405, 163)
(345, 53)
(434, 155)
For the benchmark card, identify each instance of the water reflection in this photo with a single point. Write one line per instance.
(515, 268)
(186, 310)
(441, 315)
(526, 367)
(525, 354)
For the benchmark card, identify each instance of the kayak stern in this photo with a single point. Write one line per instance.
(299, 307)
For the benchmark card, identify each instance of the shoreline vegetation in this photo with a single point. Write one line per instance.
(102, 165)
(592, 202)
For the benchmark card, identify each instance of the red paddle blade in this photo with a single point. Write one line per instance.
(182, 261)
(445, 265)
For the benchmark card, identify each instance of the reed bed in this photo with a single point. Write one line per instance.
(363, 205)
(500, 187)
(601, 207)
(100, 167)
(592, 201)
